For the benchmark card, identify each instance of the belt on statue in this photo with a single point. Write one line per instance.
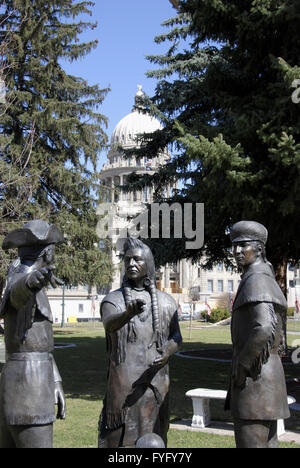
(28, 356)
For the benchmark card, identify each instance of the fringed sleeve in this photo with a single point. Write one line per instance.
(264, 355)
(262, 332)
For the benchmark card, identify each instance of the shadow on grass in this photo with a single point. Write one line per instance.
(84, 370)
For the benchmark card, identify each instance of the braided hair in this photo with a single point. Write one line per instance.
(149, 285)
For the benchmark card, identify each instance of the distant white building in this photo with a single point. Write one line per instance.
(75, 304)
(293, 288)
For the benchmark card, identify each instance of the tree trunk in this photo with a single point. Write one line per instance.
(280, 275)
(2, 284)
(280, 262)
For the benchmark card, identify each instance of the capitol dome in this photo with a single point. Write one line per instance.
(135, 123)
(114, 173)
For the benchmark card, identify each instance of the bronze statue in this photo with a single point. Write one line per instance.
(142, 332)
(257, 396)
(30, 383)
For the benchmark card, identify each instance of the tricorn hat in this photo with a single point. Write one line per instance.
(248, 231)
(33, 233)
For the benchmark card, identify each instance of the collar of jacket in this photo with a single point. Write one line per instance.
(259, 285)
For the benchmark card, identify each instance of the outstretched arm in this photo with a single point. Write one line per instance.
(114, 319)
(29, 284)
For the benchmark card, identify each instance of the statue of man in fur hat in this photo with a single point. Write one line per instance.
(257, 396)
(30, 384)
(142, 332)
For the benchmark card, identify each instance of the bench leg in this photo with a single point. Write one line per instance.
(280, 427)
(201, 416)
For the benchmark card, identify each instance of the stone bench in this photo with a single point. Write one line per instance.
(201, 410)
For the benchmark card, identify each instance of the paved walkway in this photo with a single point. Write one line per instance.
(226, 429)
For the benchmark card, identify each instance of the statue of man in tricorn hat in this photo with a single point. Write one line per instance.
(30, 383)
(142, 332)
(257, 396)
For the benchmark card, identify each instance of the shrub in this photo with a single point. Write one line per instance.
(290, 311)
(216, 315)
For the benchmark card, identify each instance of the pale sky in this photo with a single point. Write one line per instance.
(126, 31)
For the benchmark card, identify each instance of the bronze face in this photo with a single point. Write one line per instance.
(246, 253)
(49, 257)
(135, 265)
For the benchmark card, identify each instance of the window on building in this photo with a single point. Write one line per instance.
(210, 285)
(291, 283)
(220, 266)
(230, 285)
(220, 286)
(199, 272)
(80, 308)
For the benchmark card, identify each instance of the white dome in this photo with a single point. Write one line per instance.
(133, 124)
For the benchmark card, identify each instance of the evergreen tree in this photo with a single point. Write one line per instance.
(51, 132)
(226, 94)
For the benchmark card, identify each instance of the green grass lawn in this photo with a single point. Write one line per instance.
(84, 368)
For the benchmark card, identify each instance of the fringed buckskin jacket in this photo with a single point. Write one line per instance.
(137, 394)
(258, 388)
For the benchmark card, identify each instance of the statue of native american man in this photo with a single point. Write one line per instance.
(142, 332)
